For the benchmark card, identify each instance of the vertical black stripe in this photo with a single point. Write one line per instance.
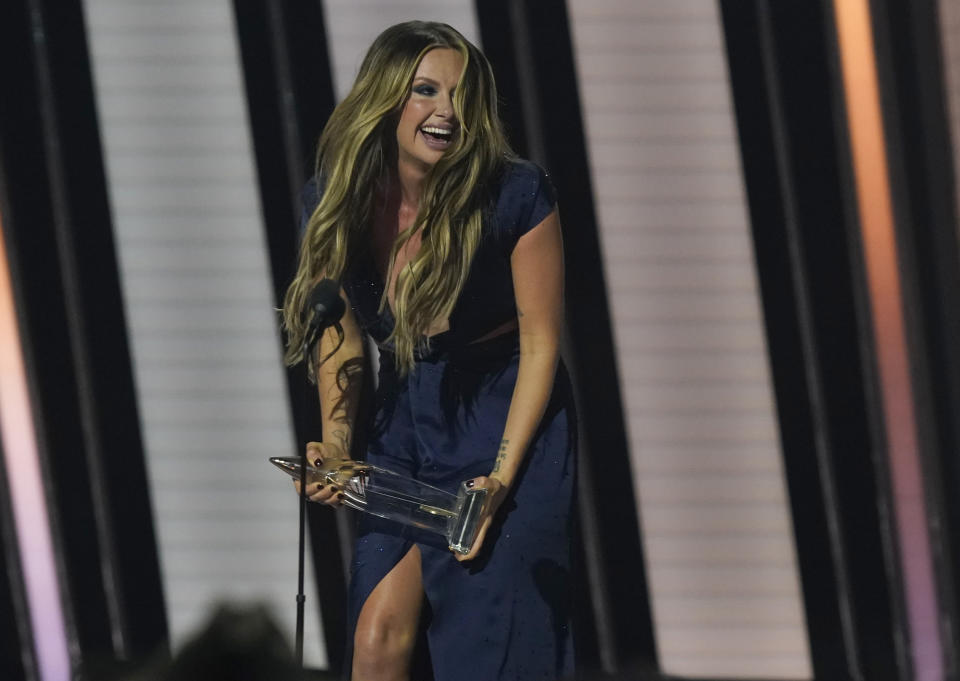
(789, 334)
(68, 298)
(289, 97)
(922, 177)
(500, 40)
(782, 59)
(18, 658)
(530, 48)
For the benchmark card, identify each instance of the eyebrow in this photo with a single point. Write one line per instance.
(431, 81)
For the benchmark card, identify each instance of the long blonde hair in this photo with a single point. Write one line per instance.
(354, 157)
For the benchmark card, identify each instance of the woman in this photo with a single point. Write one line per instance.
(449, 254)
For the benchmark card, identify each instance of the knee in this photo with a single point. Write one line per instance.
(382, 649)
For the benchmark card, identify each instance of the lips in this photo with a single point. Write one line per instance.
(436, 137)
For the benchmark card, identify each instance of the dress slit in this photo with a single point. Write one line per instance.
(367, 574)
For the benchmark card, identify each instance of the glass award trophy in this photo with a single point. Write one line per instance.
(389, 495)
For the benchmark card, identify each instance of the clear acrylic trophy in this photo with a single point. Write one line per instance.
(389, 495)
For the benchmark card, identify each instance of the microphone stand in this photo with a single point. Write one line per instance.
(308, 345)
(327, 307)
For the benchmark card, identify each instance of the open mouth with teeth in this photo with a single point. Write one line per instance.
(436, 137)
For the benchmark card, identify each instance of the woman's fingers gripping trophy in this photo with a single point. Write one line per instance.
(496, 492)
(319, 490)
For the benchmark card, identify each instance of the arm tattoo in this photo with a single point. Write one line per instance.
(501, 455)
(342, 438)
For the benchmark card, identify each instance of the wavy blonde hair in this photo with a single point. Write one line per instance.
(354, 157)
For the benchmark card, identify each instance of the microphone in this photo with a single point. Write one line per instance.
(326, 304)
(326, 307)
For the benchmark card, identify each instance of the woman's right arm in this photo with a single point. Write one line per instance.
(339, 381)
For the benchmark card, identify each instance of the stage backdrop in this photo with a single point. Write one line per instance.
(198, 298)
(702, 427)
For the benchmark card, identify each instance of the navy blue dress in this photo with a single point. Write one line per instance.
(505, 615)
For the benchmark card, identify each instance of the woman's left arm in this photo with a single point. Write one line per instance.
(537, 267)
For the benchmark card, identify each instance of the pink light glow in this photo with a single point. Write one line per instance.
(876, 219)
(26, 494)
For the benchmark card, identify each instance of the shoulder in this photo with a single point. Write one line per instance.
(309, 200)
(524, 177)
(525, 197)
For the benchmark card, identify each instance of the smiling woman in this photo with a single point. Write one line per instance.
(448, 251)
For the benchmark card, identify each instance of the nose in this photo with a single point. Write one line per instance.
(445, 106)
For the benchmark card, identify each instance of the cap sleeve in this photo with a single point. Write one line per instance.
(526, 198)
(542, 199)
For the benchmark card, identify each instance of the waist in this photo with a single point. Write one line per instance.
(444, 348)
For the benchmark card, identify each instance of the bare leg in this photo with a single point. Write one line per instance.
(387, 625)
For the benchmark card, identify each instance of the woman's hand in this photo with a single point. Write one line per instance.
(320, 491)
(496, 492)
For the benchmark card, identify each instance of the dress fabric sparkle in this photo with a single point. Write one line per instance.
(505, 615)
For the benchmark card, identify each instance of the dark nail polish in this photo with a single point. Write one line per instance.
(341, 496)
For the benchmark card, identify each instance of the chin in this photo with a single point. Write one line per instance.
(428, 160)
